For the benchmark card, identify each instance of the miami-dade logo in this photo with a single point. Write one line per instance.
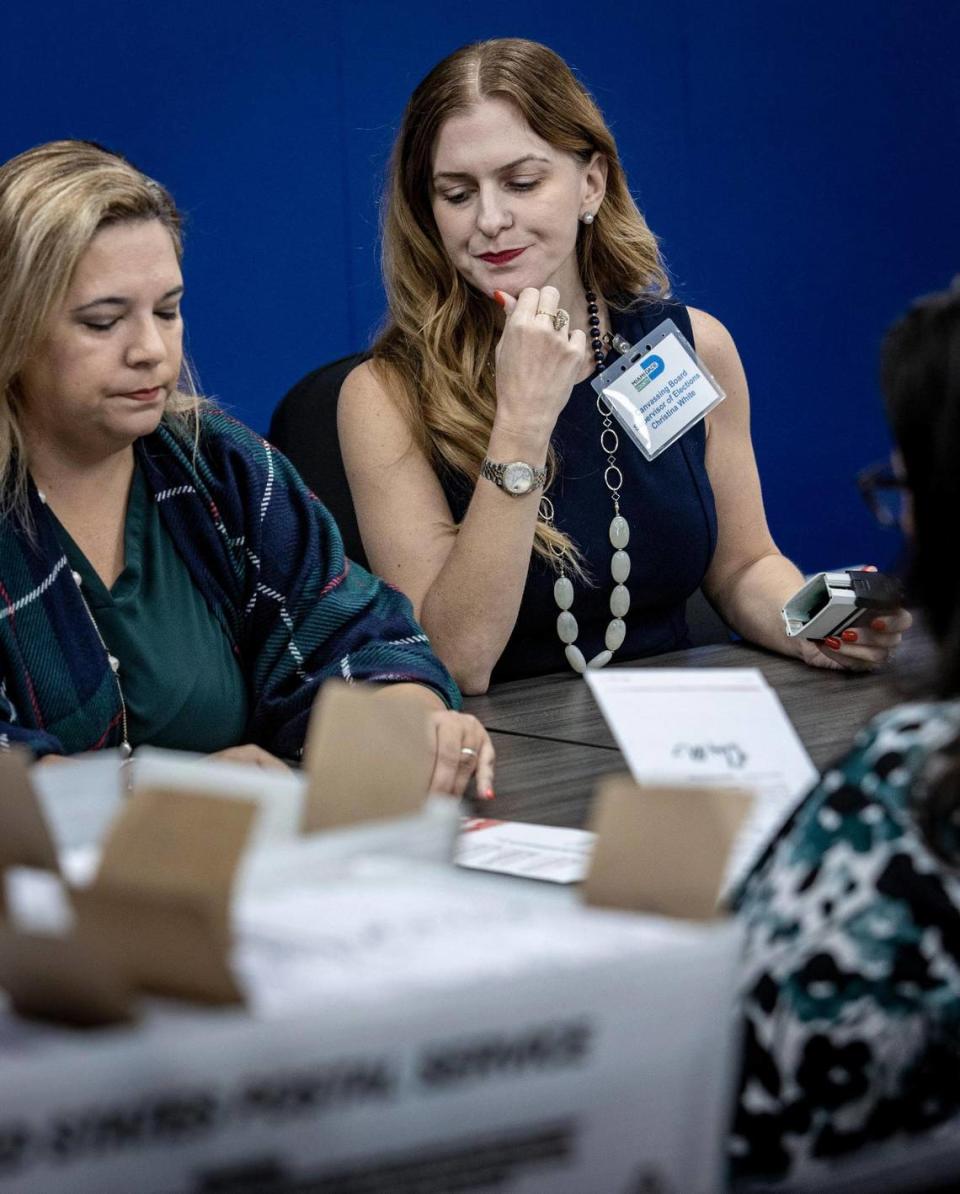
(650, 367)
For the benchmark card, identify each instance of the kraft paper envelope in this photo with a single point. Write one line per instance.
(367, 757)
(166, 944)
(71, 979)
(25, 838)
(662, 850)
(177, 842)
(161, 897)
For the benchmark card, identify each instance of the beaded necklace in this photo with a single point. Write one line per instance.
(619, 532)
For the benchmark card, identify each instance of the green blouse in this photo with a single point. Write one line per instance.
(181, 680)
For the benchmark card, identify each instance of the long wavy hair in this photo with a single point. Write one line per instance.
(53, 201)
(437, 349)
(920, 374)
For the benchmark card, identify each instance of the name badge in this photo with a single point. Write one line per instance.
(658, 389)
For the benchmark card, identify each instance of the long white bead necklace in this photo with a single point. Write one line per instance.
(567, 627)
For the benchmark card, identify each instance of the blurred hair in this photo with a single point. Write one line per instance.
(438, 347)
(920, 374)
(53, 201)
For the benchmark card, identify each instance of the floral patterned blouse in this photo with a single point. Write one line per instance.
(851, 987)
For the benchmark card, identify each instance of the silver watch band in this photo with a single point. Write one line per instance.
(515, 477)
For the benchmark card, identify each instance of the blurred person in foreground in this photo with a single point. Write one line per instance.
(852, 983)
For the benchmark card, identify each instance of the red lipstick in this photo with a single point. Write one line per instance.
(503, 258)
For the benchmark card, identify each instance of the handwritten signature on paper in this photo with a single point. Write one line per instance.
(731, 753)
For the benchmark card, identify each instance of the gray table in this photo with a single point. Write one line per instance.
(553, 744)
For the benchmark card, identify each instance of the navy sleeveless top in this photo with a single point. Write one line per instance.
(668, 503)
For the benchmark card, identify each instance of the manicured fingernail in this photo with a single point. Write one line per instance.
(850, 636)
(832, 643)
(878, 624)
(487, 794)
(498, 298)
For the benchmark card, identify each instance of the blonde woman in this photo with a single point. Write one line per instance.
(165, 577)
(506, 204)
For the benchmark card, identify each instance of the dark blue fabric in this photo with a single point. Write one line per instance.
(673, 530)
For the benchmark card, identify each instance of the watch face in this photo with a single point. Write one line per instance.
(518, 477)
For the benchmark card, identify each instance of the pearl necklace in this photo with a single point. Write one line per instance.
(619, 532)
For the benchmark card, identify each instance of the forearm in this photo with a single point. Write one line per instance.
(471, 607)
(751, 599)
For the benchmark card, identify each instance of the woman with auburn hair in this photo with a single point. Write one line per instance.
(165, 576)
(513, 256)
(851, 973)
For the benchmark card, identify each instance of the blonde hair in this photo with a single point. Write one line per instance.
(53, 201)
(440, 339)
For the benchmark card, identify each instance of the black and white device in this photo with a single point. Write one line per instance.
(831, 601)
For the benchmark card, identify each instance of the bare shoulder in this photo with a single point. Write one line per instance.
(713, 341)
(717, 350)
(368, 407)
(369, 386)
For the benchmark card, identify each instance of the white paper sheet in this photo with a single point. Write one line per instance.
(545, 852)
(715, 727)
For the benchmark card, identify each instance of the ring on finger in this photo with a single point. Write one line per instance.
(468, 752)
(561, 319)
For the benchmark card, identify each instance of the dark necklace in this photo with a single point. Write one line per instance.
(596, 340)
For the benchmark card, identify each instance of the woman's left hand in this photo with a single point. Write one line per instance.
(462, 748)
(252, 755)
(859, 648)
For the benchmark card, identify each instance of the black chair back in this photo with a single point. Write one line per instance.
(304, 428)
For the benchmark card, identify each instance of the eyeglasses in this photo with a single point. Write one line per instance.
(882, 490)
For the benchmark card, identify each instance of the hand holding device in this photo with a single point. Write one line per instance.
(831, 601)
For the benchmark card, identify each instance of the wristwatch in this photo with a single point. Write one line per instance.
(515, 478)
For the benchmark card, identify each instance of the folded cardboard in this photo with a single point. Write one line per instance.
(25, 839)
(156, 915)
(366, 757)
(662, 850)
(71, 979)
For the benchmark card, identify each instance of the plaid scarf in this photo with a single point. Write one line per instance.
(266, 556)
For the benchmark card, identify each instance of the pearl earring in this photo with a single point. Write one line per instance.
(587, 217)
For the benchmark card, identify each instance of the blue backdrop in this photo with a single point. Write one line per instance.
(799, 163)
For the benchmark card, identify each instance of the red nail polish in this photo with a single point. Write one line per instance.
(498, 298)
(878, 624)
(832, 643)
(487, 794)
(850, 636)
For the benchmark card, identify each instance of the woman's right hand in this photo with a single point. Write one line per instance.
(537, 366)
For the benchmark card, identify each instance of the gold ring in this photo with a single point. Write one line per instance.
(560, 318)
